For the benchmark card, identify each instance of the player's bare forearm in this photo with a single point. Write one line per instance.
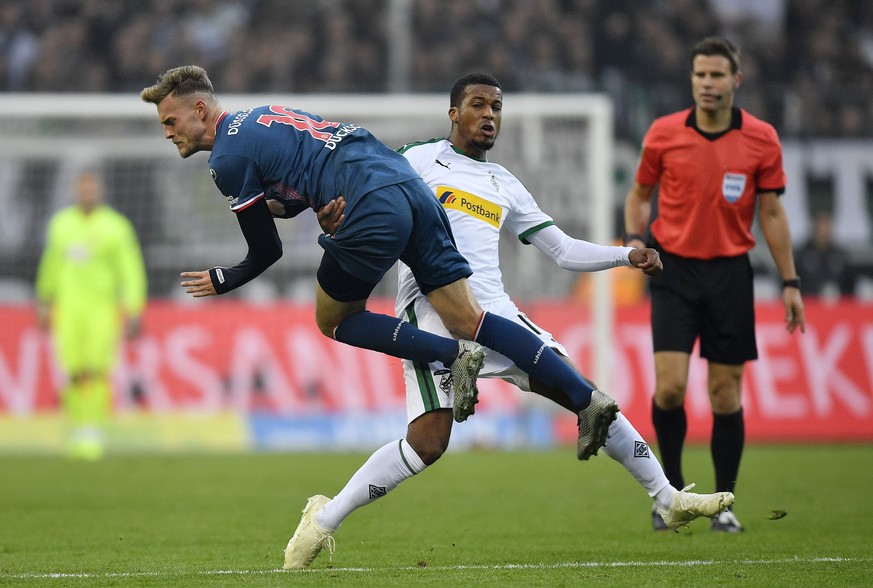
(637, 208)
(198, 284)
(774, 225)
(647, 260)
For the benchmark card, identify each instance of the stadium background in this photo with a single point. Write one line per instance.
(252, 371)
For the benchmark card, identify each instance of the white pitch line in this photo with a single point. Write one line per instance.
(563, 565)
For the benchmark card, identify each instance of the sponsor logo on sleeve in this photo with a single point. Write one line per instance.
(484, 210)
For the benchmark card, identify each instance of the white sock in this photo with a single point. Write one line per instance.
(387, 467)
(627, 447)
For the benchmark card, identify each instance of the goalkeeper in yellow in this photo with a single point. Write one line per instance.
(90, 285)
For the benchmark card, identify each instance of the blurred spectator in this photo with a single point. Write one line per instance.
(811, 61)
(18, 46)
(823, 266)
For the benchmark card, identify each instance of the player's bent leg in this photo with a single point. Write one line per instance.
(594, 420)
(687, 506)
(429, 435)
(524, 348)
(389, 465)
(329, 313)
(352, 324)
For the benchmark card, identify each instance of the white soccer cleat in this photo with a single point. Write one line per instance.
(687, 506)
(594, 421)
(465, 370)
(309, 538)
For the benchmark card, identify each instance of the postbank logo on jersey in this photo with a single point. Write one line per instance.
(471, 204)
(733, 186)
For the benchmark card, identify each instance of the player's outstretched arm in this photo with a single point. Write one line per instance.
(265, 249)
(583, 256)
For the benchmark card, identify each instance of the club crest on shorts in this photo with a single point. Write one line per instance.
(445, 380)
(733, 186)
(641, 449)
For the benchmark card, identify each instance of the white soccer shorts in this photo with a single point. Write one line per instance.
(426, 387)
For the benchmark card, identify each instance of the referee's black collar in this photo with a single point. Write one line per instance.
(736, 123)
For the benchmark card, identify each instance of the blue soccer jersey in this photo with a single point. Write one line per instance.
(281, 153)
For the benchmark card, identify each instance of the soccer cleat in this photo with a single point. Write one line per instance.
(687, 506)
(658, 523)
(594, 421)
(726, 522)
(465, 370)
(309, 538)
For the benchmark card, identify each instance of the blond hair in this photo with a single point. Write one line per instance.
(181, 81)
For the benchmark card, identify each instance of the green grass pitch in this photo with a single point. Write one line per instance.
(474, 518)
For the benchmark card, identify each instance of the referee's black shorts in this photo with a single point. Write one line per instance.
(712, 299)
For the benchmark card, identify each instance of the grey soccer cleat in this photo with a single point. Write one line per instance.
(465, 370)
(594, 424)
(726, 522)
(309, 538)
(687, 506)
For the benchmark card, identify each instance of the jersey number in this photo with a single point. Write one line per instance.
(286, 116)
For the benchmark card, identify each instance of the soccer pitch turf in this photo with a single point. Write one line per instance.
(483, 518)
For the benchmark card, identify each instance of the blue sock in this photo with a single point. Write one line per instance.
(392, 336)
(533, 356)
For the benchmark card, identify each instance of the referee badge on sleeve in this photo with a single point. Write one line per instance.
(733, 186)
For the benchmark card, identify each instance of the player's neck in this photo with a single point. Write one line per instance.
(466, 148)
(713, 121)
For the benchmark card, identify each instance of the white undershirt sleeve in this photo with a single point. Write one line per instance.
(578, 255)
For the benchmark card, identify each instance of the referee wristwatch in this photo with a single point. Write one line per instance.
(792, 283)
(627, 237)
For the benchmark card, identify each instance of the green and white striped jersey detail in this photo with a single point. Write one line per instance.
(480, 198)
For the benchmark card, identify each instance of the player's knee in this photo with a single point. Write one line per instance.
(429, 435)
(725, 399)
(326, 327)
(429, 451)
(670, 396)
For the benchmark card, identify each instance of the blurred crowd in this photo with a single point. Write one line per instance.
(807, 63)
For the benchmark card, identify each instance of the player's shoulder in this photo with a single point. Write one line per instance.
(667, 126)
(754, 126)
(416, 148)
(671, 121)
(111, 216)
(70, 213)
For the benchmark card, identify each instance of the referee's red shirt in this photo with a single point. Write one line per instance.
(708, 183)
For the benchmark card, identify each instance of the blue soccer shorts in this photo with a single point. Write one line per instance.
(401, 221)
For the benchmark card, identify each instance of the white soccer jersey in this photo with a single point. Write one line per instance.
(492, 197)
